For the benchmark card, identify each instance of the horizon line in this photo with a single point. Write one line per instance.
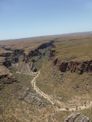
(42, 36)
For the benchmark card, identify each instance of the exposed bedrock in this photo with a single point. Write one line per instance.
(74, 66)
(34, 57)
(77, 117)
(5, 77)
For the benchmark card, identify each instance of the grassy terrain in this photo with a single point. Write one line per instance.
(88, 113)
(74, 49)
(66, 87)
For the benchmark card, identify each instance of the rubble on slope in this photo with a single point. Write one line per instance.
(77, 117)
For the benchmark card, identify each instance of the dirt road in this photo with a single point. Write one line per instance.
(58, 105)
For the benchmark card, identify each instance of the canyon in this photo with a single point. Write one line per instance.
(48, 77)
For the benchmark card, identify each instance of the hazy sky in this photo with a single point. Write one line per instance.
(26, 18)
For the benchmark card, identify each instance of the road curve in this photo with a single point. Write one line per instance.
(58, 105)
(38, 91)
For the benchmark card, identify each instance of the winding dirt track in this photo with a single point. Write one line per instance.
(38, 91)
(57, 104)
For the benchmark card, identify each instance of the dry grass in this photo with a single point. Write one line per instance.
(62, 86)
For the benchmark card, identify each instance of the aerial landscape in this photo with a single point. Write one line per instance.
(46, 78)
(45, 61)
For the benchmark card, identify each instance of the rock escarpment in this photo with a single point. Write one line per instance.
(74, 66)
(34, 57)
(13, 57)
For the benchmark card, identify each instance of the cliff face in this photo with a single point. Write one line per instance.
(74, 66)
(33, 58)
(12, 57)
(45, 50)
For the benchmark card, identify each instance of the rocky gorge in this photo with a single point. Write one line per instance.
(79, 67)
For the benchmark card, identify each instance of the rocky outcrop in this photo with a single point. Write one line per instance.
(5, 77)
(77, 117)
(12, 57)
(34, 56)
(6, 80)
(52, 53)
(27, 95)
(25, 62)
(4, 71)
(43, 50)
(7, 54)
(74, 66)
(49, 44)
